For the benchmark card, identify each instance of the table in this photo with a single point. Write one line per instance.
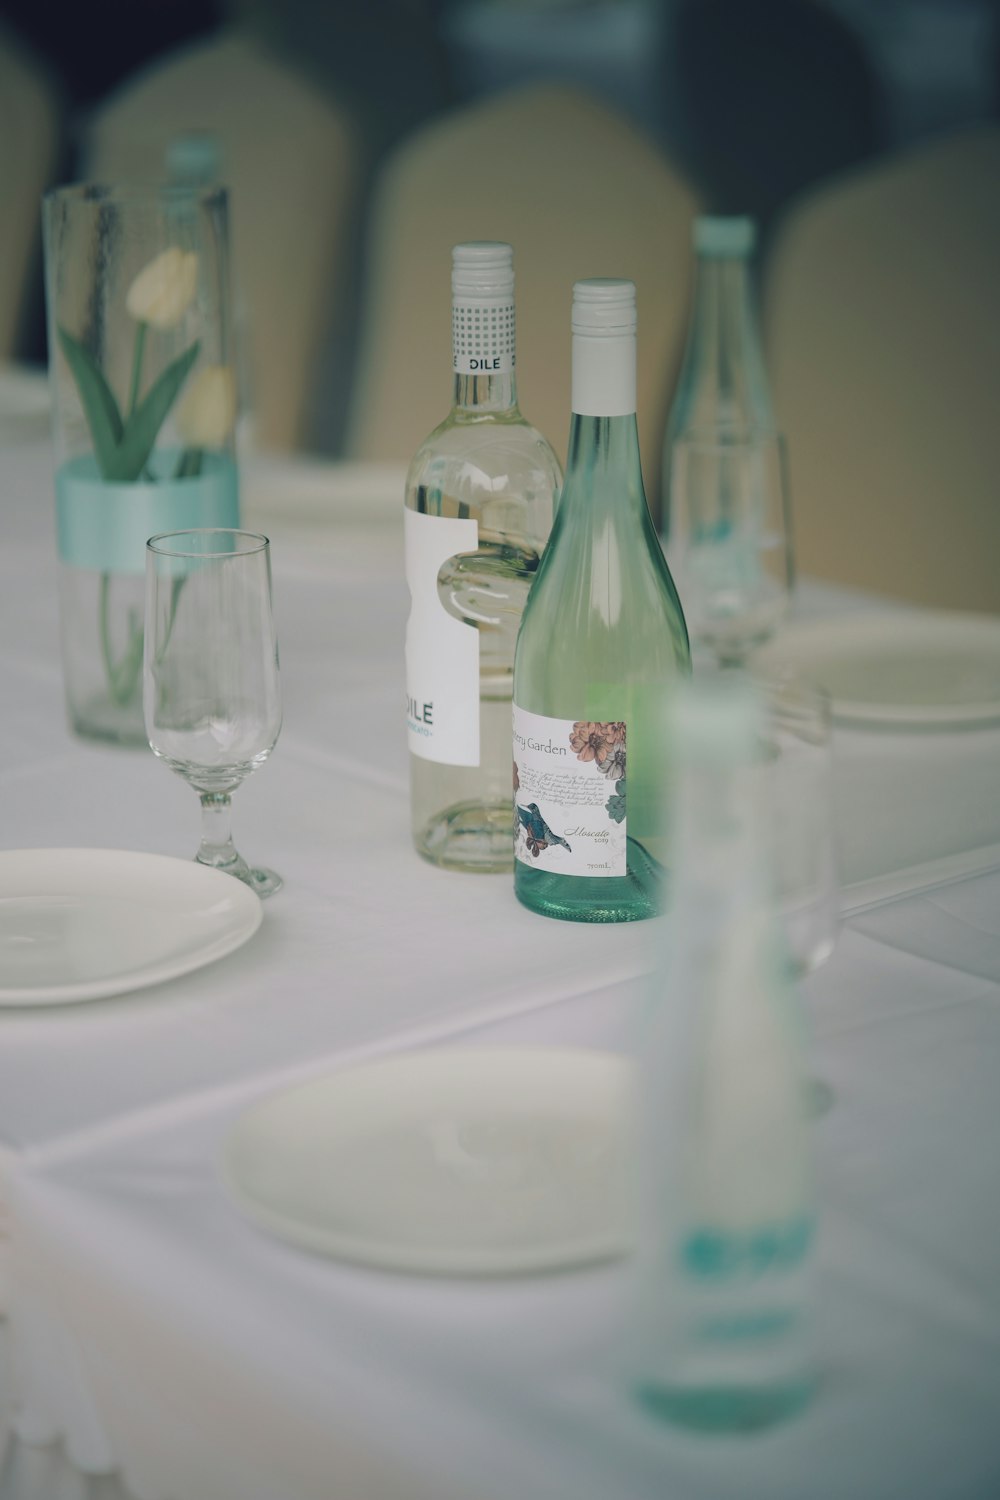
(154, 1330)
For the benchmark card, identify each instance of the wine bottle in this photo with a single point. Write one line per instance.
(480, 496)
(722, 389)
(719, 1331)
(603, 635)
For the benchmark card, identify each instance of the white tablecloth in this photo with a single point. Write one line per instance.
(154, 1329)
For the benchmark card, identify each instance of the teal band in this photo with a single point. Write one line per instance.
(105, 527)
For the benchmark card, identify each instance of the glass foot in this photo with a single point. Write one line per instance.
(264, 882)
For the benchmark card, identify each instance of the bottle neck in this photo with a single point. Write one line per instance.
(723, 361)
(603, 471)
(723, 304)
(474, 394)
(483, 353)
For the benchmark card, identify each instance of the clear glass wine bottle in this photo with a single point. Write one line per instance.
(480, 496)
(722, 390)
(603, 635)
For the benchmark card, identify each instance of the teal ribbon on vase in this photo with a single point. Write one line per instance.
(105, 527)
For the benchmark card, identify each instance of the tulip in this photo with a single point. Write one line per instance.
(164, 290)
(207, 410)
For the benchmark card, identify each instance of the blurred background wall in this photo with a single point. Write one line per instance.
(755, 106)
(754, 100)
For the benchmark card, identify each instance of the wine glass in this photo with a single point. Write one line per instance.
(805, 861)
(211, 692)
(730, 539)
(798, 754)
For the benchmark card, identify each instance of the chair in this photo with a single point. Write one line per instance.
(578, 192)
(289, 160)
(29, 143)
(882, 324)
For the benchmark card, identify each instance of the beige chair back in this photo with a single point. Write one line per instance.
(577, 192)
(289, 161)
(29, 140)
(882, 324)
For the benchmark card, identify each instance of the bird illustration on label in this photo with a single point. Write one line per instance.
(537, 832)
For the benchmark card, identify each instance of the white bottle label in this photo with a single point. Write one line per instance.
(442, 652)
(482, 336)
(569, 795)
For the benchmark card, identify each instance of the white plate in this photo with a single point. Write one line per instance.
(79, 924)
(461, 1161)
(930, 670)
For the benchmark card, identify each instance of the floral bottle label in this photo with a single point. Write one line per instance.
(442, 652)
(569, 795)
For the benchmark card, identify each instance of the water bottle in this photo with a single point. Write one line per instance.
(722, 390)
(720, 1323)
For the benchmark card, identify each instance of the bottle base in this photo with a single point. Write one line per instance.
(726, 1409)
(473, 837)
(574, 898)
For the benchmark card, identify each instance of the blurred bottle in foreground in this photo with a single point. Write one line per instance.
(194, 160)
(480, 495)
(722, 390)
(720, 1334)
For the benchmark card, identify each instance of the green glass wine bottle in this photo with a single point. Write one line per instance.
(603, 635)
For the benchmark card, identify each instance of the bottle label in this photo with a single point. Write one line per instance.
(482, 337)
(569, 795)
(442, 651)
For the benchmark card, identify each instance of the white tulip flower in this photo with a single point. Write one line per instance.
(164, 290)
(207, 409)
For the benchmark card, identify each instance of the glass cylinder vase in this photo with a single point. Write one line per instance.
(144, 409)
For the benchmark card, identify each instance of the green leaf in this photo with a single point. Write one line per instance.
(99, 404)
(145, 422)
(122, 675)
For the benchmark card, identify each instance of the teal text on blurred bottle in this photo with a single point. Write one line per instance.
(720, 1324)
(722, 390)
(601, 643)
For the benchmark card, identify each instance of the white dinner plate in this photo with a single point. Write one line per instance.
(930, 670)
(79, 924)
(465, 1161)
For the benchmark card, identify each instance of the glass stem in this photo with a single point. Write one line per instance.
(216, 847)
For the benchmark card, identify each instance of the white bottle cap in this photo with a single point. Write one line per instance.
(483, 269)
(482, 308)
(195, 158)
(604, 307)
(604, 347)
(730, 236)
